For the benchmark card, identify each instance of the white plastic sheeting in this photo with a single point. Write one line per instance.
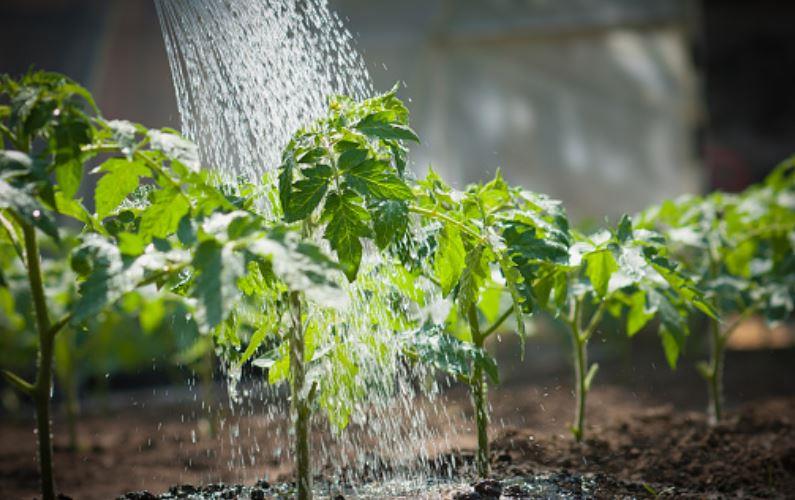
(593, 102)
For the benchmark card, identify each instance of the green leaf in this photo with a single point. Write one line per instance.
(161, 218)
(27, 208)
(594, 368)
(176, 148)
(638, 316)
(68, 175)
(72, 208)
(390, 221)
(381, 125)
(131, 243)
(256, 340)
(476, 271)
(351, 158)
(519, 301)
(448, 263)
(671, 345)
(151, 315)
(208, 288)
(302, 266)
(100, 262)
(624, 232)
(489, 303)
(347, 223)
(373, 178)
(600, 265)
(307, 193)
(431, 345)
(286, 180)
(121, 178)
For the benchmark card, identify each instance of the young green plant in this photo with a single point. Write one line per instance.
(342, 181)
(471, 265)
(739, 249)
(179, 235)
(620, 272)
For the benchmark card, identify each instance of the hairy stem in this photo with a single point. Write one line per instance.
(479, 388)
(299, 403)
(43, 384)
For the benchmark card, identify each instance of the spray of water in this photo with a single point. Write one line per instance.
(248, 73)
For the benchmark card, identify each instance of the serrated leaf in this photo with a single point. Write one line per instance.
(448, 263)
(216, 281)
(302, 266)
(347, 223)
(457, 358)
(351, 158)
(161, 218)
(381, 125)
(600, 265)
(307, 193)
(121, 178)
(72, 208)
(520, 302)
(100, 262)
(373, 178)
(390, 221)
(476, 271)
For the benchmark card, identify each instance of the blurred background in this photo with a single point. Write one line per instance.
(609, 105)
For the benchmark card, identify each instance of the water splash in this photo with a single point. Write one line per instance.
(248, 73)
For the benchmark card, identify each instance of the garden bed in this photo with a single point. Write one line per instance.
(638, 442)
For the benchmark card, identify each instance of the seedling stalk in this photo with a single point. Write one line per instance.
(299, 400)
(480, 401)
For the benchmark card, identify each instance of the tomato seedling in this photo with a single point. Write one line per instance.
(739, 249)
(620, 272)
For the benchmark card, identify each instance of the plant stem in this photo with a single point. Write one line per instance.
(715, 378)
(434, 214)
(580, 391)
(493, 328)
(43, 384)
(479, 388)
(299, 404)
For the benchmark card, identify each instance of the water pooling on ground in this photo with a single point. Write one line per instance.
(247, 74)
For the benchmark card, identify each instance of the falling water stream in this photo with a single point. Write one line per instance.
(247, 74)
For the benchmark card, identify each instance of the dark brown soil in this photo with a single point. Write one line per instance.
(750, 454)
(638, 443)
